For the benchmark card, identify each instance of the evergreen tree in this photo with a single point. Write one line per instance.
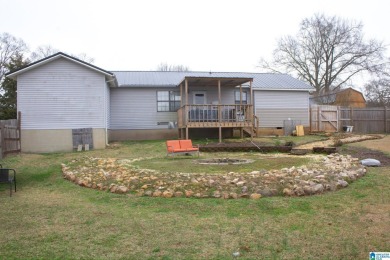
(8, 88)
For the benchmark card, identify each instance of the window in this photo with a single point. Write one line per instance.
(168, 101)
(237, 97)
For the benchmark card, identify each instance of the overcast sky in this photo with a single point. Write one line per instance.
(205, 35)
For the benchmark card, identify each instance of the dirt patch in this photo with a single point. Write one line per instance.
(244, 147)
(378, 144)
(339, 139)
(378, 149)
(364, 153)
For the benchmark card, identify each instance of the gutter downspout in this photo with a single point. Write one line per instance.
(108, 96)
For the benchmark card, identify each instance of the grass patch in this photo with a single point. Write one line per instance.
(50, 218)
(189, 164)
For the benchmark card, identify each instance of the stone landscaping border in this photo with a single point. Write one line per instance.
(327, 173)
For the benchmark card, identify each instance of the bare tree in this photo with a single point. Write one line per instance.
(10, 47)
(165, 67)
(377, 92)
(44, 51)
(83, 57)
(327, 52)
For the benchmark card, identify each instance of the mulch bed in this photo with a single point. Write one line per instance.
(243, 147)
(364, 153)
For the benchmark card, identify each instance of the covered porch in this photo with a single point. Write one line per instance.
(216, 102)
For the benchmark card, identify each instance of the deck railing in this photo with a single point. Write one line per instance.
(208, 114)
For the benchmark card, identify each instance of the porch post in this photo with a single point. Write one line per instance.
(181, 105)
(250, 85)
(252, 110)
(186, 90)
(219, 111)
(219, 92)
(240, 95)
(181, 94)
(186, 108)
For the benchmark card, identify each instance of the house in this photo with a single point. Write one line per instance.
(348, 97)
(59, 96)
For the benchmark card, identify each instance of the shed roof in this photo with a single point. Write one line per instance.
(264, 81)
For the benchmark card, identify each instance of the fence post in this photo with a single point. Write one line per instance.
(2, 141)
(310, 122)
(385, 119)
(338, 118)
(351, 122)
(318, 118)
(19, 130)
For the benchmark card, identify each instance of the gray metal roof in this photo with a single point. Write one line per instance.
(269, 81)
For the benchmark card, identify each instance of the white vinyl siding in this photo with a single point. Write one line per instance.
(227, 94)
(273, 107)
(136, 108)
(62, 95)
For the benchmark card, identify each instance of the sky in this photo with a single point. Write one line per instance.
(205, 35)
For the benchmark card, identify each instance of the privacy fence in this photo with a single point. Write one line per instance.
(337, 119)
(9, 136)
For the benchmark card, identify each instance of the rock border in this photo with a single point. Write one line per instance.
(328, 173)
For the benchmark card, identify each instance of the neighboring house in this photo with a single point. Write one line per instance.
(348, 97)
(61, 94)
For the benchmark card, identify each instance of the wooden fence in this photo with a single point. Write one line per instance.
(9, 137)
(364, 120)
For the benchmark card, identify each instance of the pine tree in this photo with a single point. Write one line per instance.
(8, 88)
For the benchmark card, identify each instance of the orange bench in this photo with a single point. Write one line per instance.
(181, 147)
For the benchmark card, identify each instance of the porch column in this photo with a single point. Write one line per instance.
(181, 105)
(186, 90)
(219, 92)
(186, 108)
(250, 90)
(252, 110)
(219, 111)
(240, 95)
(181, 95)
(241, 109)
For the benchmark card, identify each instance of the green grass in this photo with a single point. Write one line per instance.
(51, 218)
(189, 163)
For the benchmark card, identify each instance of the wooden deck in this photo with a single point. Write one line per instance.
(195, 116)
(215, 116)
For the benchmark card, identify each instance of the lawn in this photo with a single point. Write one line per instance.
(186, 164)
(51, 218)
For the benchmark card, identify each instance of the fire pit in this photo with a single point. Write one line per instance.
(223, 161)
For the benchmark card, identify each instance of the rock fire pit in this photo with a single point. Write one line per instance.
(325, 173)
(223, 161)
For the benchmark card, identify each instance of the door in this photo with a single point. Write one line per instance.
(198, 113)
(199, 97)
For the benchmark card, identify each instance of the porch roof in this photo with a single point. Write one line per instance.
(212, 81)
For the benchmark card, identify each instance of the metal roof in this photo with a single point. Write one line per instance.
(266, 81)
(55, 56)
